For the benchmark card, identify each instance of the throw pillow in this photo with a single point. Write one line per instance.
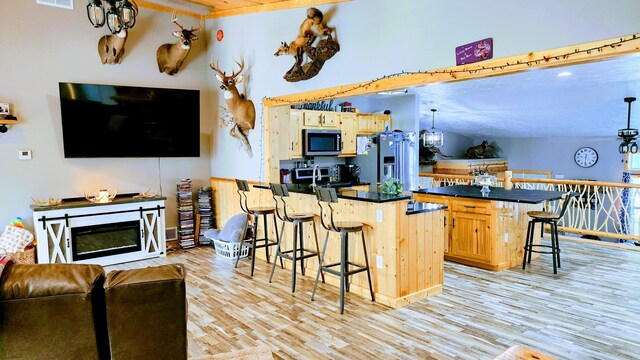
(14, 239)
(234, 229)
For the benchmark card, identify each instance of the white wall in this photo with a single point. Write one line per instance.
(556, 154)
(42, 46)
(379, 37)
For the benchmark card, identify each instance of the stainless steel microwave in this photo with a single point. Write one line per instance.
(322, 142)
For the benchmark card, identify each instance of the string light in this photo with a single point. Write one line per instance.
(454, 73)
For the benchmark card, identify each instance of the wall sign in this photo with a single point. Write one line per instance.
(474, 52)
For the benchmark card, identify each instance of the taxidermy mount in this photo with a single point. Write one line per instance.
(243, 113)
(311, 28)
(111, 47)
(171, 56)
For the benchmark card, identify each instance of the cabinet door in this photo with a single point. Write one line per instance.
(442, 200)
(330, 120)
(447, 228)
(312, 118)
(366, 124)
(470, 236)
(295, 135)
(348, 126)
(380, 120)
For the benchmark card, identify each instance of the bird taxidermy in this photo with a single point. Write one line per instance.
(312, 27)
(243, 112)
(171, 56)
(111, 47)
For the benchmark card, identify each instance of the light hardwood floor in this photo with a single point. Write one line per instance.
(590, 310)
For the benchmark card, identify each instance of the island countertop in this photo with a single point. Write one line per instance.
(368, 196)
(496, 194)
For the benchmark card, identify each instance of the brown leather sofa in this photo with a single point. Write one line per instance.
(72, 311)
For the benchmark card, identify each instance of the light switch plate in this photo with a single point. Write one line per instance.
(506, 238)
(379, 263)
(379, 216)
(24, 154)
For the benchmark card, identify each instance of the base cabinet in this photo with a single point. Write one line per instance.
(484, 233)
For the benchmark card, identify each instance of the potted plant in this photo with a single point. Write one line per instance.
(391, 186)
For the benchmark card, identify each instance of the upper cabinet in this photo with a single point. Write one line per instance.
(372, 123)
(349, 128)
(320, 119)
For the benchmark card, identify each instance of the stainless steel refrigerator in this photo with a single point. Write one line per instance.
(391, 155)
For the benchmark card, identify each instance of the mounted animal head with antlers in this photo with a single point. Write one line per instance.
(241, 108)
(171, 56)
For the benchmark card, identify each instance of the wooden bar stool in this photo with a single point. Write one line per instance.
(328, 196)
(544, 217)
(256, 213)
(298, 253)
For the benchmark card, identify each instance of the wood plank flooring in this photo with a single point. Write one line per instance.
(590, 310)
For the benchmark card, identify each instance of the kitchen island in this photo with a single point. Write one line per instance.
(486, 231)
(405, 243)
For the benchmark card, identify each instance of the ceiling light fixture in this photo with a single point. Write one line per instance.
(120, 15)
(564, 73)
(433, 137)
(628, 135)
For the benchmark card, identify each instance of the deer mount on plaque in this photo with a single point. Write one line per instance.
(171, 56)
(311, 28)
(241, 113)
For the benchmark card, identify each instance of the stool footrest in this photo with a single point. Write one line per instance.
(309, 253)
(359, 268)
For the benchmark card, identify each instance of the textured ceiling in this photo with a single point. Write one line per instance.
(538, 103)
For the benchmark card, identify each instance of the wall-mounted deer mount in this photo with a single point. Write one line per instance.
(171, 56)
(311, 28)
(111, 47)
(241, 108)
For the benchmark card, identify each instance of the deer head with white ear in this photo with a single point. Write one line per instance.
(171, 56)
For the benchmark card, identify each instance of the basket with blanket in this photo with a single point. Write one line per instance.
(17, 242)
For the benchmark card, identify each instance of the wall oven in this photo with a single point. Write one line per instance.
(322, 142)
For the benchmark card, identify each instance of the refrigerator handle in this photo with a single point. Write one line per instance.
(400, 161)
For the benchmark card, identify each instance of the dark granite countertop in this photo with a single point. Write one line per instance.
(496, 194)
(422, 207)
(347, 193)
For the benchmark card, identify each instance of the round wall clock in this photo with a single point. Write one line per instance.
(586, 157)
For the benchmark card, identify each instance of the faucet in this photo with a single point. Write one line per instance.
(315, 167)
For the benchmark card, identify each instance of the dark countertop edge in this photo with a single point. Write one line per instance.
(490, 198)
(431, 207)
(85, 203)
(341, 195)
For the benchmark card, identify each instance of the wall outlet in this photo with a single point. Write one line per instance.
(379, 216)
(24, 154)
(506, 238)
(379, 263)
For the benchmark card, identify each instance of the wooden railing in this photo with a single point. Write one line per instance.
(602, 209)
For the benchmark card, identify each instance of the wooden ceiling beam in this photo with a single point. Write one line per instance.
(271, 6)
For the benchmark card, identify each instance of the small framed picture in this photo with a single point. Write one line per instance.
(4, 109)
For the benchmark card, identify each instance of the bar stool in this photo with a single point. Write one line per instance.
(298, 253)
(256, 212)
(544, 217)
(328, 195)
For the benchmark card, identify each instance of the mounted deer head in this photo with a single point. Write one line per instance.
(171, 56)
(111, 47)
(241, 108)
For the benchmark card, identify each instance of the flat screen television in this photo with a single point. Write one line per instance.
(111, 121)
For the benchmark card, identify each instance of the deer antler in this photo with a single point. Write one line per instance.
(216, 68)
(241, 64)
(174, 19)
(199, 25)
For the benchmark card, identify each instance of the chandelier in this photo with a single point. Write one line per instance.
(121, 14)
(433, 137)
(628, 135)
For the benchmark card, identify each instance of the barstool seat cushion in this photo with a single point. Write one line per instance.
(302, 216)
(349, 225)
(542, 215)
(262, 210)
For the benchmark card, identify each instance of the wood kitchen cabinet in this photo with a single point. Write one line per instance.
(372, 123)
(295, 135)
(380, 120)
(484, 233)
(320, 119)
(349, 128)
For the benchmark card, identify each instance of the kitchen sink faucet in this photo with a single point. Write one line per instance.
(315, 167)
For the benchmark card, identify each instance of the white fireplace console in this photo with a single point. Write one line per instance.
(79, 231)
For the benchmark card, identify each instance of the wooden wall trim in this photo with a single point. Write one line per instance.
(213, 178)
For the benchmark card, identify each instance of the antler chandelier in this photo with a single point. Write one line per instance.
(628, 135)
(120, 15)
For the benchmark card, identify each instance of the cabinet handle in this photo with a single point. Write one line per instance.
(292, 146)
(453, 223)
(445, 221)
(469, 207)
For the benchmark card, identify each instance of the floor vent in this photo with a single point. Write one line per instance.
(66, 4)
(171, 233)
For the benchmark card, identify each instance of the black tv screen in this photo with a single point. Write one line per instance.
(123, 121)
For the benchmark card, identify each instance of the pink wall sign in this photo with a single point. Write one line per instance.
(474, 52)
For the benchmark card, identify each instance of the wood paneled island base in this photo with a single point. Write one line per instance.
(405, 251)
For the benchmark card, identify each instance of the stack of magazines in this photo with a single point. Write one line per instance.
(184, 197)
(206, 214)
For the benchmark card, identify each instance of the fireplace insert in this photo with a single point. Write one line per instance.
(94, 241)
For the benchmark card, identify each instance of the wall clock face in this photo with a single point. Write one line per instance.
(586, 157)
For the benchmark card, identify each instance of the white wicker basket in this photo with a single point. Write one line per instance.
(231, 250)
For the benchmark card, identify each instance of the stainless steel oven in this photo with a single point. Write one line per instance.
(322, 142)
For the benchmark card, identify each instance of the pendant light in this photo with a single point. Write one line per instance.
(121, 14)
(628, 135)
(433, 137)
